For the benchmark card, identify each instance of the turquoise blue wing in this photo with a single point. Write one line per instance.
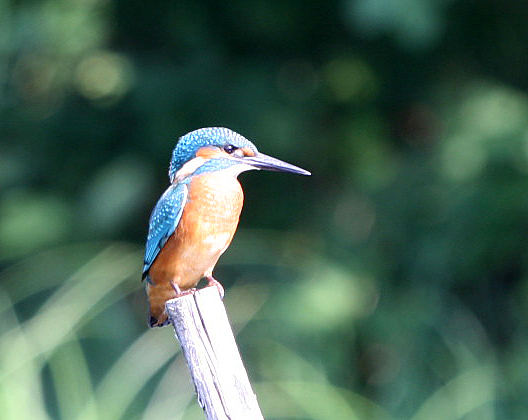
(163, 222)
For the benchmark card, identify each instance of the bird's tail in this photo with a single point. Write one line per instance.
(156, 299)
(161, 321)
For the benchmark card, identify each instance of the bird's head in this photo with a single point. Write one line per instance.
(215, 148)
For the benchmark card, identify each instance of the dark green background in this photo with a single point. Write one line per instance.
(392, 284)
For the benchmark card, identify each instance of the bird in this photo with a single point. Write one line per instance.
(195, 219)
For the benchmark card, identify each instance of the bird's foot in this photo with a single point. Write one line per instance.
(211, 281)
(180, 292)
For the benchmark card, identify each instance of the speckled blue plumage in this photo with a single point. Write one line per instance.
(166, 215)
(163, 221)
(189, 144)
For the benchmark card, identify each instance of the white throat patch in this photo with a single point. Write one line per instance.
(189, 168)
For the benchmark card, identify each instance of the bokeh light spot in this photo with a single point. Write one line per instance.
(350, 78)
(103, 76)
(332, 297)
(463, 159)
(29, 221)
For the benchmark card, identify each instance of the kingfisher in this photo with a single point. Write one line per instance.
(195, 219)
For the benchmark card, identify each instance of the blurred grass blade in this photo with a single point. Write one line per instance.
(52, 268)
(315, 400)
(69, 305)
(25, 384)
(71, 379)
(312, 395)
(129, 374)
(173, 393)
(468, 391)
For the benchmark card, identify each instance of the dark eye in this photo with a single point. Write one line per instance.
(230, 148)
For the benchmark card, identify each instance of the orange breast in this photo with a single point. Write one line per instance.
(205, 230)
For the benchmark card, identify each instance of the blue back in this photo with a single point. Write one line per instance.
(189, 144)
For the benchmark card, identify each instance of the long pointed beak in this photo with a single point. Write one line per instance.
(268, 163)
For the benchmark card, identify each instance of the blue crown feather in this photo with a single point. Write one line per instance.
(190, 143)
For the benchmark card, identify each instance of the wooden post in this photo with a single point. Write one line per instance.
(220, 379)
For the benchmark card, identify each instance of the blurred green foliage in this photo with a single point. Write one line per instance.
(392, 284)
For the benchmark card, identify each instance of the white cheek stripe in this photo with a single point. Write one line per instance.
(189, 168)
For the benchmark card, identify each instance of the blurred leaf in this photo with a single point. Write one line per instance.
(29, 221)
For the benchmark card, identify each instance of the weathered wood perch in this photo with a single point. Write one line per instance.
(220, 379)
